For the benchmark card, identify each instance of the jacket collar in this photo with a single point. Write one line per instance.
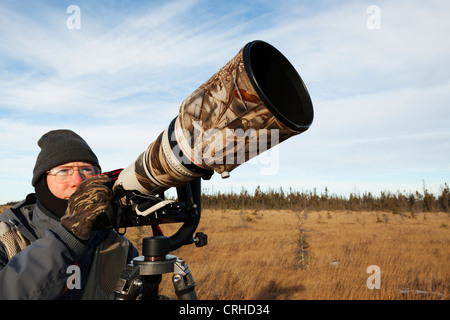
(43, 219)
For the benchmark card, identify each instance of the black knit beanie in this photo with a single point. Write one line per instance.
(59, 147)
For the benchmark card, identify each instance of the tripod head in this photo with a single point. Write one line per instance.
(130, 208)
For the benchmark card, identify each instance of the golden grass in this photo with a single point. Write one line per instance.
(3, 207)
(253, 255)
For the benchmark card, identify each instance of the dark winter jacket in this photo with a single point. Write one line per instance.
(40, 259)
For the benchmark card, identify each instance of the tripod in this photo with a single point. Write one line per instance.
(144, 274)
(141, 278)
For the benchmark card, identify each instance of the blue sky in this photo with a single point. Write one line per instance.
(381, 95)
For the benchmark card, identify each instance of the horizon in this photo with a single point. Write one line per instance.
(209, 191)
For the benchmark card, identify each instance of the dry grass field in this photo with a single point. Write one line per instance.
(293, 255)
(3, 207)
(258, 255)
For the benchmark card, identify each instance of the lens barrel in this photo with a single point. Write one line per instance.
(256, 101)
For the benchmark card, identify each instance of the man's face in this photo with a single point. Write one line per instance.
(64, 185)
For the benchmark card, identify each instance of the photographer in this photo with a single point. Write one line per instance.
(48, 249)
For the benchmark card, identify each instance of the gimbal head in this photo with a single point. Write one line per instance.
(130, 208)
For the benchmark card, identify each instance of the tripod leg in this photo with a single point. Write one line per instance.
(129, 284)
(151, 286)
(183, 282)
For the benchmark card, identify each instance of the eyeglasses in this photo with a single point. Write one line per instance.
(64, 174)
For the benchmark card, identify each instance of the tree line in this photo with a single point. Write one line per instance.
(387, 201)
(398, 202)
